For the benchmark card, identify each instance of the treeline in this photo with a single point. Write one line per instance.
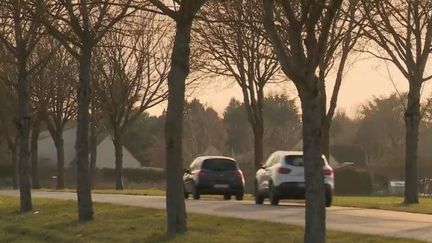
(372, 137)
(207, 132)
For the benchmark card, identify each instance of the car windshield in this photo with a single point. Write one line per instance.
(295, 160)
(219, 164)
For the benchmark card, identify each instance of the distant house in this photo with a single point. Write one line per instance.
(47, 153)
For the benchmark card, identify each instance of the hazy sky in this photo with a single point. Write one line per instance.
(364, 80)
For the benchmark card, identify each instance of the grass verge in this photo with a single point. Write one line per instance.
(385, 203)
(55, 221)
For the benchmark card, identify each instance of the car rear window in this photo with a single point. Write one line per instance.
(295, 160)
(219, 164)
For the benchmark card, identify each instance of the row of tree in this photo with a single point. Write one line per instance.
(372, 137)
(206, 132)
(111, 43)
(86, 62)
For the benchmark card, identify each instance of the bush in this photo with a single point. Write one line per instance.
(352, 182)
(135, 175)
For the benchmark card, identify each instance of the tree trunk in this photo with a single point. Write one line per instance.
(85, 205)
(14, 159)
(412, 121)
(176, 211)
(93, 152)
(315, 217)
(258, 130)
(60, 159)
(34, 153)
(118, 147)
(24, 114)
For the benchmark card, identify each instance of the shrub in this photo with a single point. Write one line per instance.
(352, 182)
(135, 175)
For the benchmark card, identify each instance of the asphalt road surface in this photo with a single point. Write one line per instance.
(356, 220)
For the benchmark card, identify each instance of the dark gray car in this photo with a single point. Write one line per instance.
(217, 175)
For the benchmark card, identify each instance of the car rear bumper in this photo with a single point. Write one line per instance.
(295, 190)
(215, 190)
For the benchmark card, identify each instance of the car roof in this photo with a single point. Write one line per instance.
(214, 157)
(293, 152)
(280, 152)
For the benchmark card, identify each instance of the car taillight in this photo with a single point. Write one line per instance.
(239, 175)
(328, 172)
(202, 173)
(283, 170)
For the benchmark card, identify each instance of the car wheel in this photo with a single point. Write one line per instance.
(195, 194)
(239, 196)
(258, 198)
(227, 197)
(328, 199)
(274, 199)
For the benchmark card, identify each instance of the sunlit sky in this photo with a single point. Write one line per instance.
(363, 80)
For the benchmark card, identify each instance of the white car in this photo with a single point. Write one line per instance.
(282, 177)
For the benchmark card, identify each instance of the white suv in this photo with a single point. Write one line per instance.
(282, 177)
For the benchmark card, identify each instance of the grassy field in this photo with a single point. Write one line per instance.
(374, 202)
(55, 221)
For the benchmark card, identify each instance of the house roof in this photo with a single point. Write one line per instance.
(47, 153)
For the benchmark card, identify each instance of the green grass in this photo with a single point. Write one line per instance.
(55, 221)
(385, 203)
(141, 192)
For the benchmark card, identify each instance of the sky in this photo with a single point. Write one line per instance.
(363, 80)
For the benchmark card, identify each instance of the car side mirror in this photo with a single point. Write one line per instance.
(262, 166)
(187, 171)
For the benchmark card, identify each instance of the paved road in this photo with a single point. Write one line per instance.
(367, 221)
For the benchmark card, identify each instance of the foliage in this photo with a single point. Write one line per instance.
(203, 131)
(381, 130)
(142, 135)
(282, 123)
(240, 136)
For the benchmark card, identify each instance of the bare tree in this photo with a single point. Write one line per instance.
(40, 59)
(343, 38)
(54, 94)
(182, 12)
(231, 37)
(79, 26)
(8, 119)
(402, 31)
(34, 137)
(8, 111)
(20, 35)
(134, 62)
(299, 33)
